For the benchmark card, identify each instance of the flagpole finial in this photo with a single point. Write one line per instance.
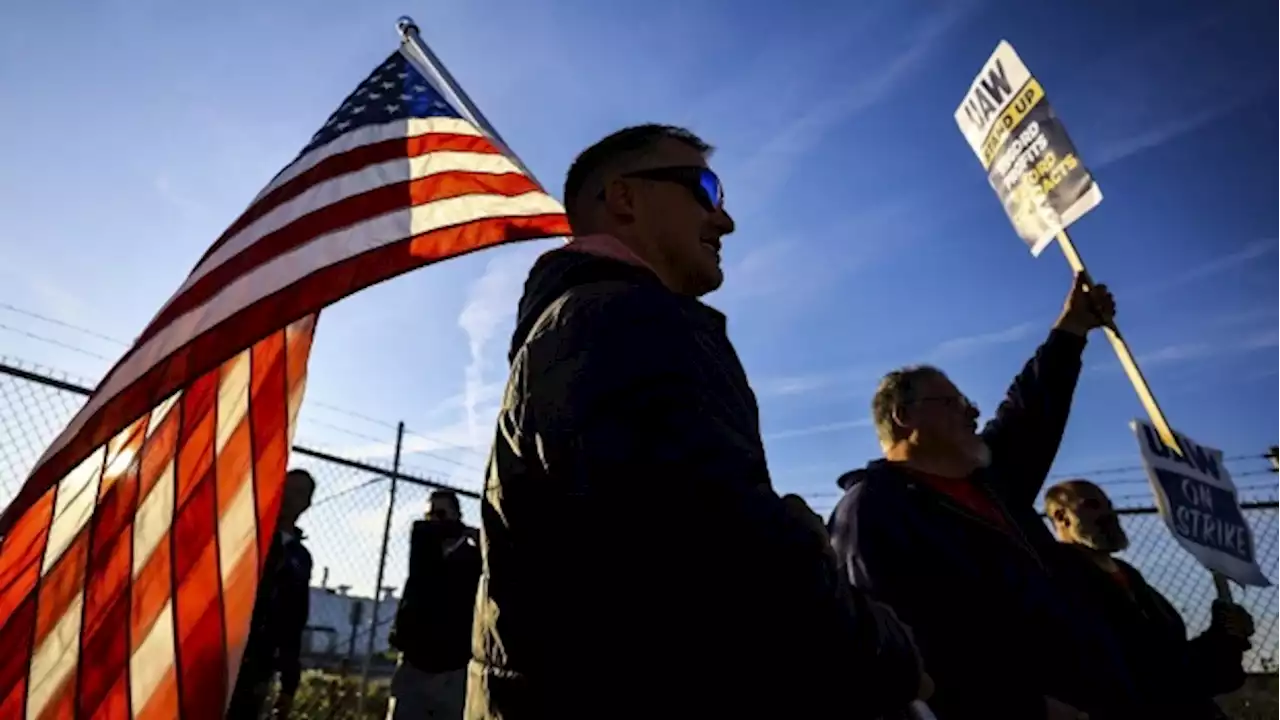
(406, 27)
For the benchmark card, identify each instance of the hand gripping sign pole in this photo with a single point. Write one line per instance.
(1036, 173)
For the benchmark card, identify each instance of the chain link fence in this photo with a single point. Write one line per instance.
(351, 612)
(350, 617)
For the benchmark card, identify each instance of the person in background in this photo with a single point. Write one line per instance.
(1178, 677)
(944, 531)
(279, 611)
(433, 623)
(637, 561)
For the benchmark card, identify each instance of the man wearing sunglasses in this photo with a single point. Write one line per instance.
(944, 531)
(638, 562)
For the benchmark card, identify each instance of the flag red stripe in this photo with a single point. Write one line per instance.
(157, 453)
(104, 653)
(61, 586)
(195, 441)
(16, 639)
(151, 590)
(195, 556)
(349, 162)
(341, 214)
(20, 557)
(256, 321)
(22, 552)
(269, 432)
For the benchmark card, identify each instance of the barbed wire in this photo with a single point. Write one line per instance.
(1137, 468)
(1114, 470)
(62, 323)
(51, 341)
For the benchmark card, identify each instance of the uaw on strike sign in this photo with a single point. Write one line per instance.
(1030, 161)
(1197, 500)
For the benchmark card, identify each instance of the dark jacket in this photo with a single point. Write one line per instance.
(1178, 677)
(638, 562)
(997, 629)
(433, 621)
(279, 616)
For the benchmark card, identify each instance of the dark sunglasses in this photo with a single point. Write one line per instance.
(702, 182)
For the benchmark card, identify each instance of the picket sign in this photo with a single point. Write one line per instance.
(1198, 501)
(1044, 186)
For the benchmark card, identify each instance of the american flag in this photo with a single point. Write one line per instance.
(131, 556)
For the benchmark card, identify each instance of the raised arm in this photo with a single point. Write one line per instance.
(1026, 431)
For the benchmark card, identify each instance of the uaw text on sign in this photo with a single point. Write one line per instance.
(1030, 161)
(1197, 500)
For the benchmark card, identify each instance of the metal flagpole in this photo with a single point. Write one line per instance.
(418, 53)
(1139, 382)
(382, 567)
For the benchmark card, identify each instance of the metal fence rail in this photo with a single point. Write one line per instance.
(353, 505)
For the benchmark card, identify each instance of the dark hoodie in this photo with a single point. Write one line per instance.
(433, 620)
(637, 561)
(1178, 677)
(998, 626)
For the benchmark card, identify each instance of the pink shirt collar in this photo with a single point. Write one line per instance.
(606, 246)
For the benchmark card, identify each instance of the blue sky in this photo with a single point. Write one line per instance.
(868, 238)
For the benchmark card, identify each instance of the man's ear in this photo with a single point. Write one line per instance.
(1060, 517)
(900, 417)
(619, 198)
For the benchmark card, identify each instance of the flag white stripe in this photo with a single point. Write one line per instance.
(237, 543)
(55, 659)
(152, 660)
(153, 519)
(77, 497)
(233, 399)
(369, 135)
(299, 388)
(161, 411)
(334, 190)
(284, 270)
(236, 528)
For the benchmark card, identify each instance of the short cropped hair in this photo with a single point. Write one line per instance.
(897, 390)
(1059, 495)
(446, 495)
(616, 149)
(300, 474)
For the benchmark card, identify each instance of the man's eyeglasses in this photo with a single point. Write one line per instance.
(951, 402)
(702, 182)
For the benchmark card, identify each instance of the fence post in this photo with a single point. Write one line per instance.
(382, 566)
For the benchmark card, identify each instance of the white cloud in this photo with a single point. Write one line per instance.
(965, 346)
(491, 304)
(818, 429)
(770, 165)
(1261, 340)
(793, 385)
(947, 351)
(1175, 353)
(1215, 266)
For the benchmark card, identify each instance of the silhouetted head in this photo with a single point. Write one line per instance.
(443, 506)
(649, 186)
(919, 413)
(1082, 514)
(299, 487)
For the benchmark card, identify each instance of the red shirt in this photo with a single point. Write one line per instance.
(1122, 579)
(964, 493)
